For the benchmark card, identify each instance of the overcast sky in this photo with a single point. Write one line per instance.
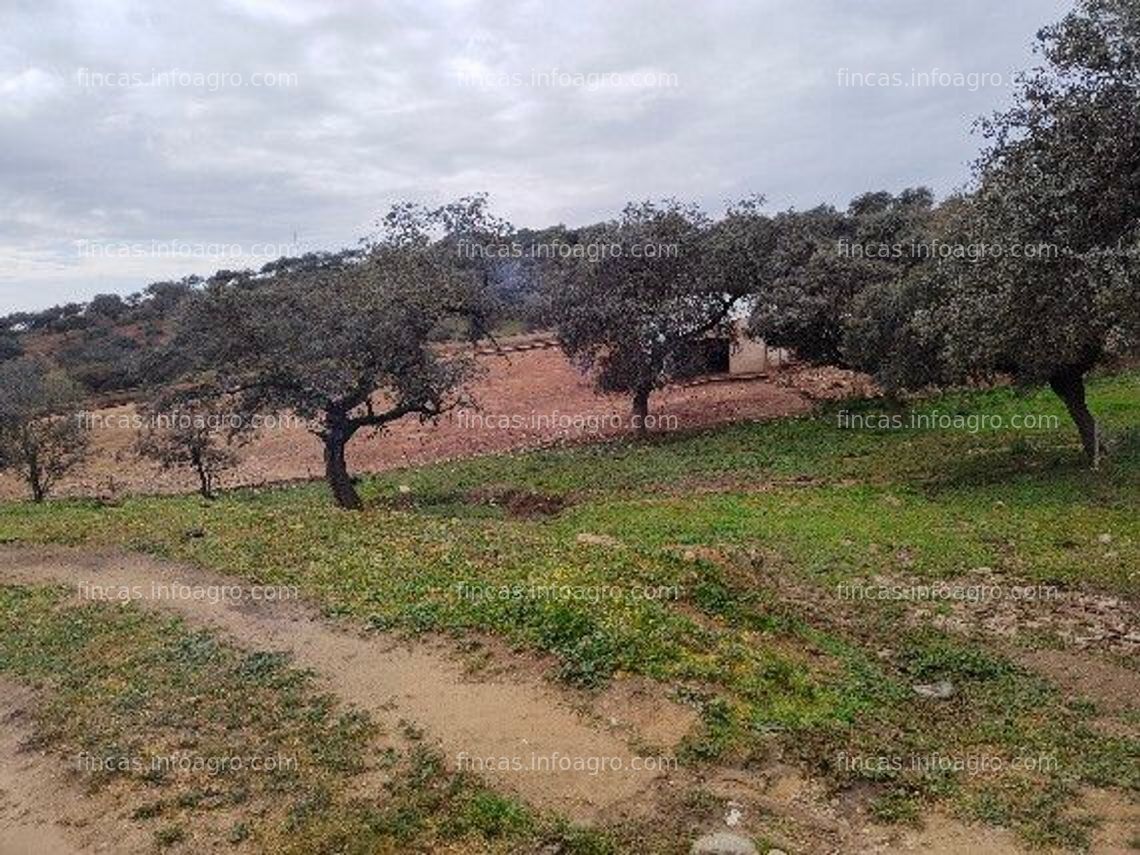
(149, 140)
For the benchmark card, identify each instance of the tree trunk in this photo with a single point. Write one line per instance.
(336, 471)
(38, 492)
(1069, 385)
(204, 486)
(641, 409)
(36, 478)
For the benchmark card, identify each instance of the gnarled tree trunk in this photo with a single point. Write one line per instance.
(641, 409)
(336, 436)
(1069, 386)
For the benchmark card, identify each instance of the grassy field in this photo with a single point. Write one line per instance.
(225, 745)
(710, 563)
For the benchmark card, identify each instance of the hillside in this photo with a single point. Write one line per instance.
(787, 641)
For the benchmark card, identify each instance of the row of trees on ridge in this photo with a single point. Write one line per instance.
(1029, 274)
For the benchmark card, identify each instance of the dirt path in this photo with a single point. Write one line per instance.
(1115, 690)
(516, 715)
(42, 811)
(498, 721)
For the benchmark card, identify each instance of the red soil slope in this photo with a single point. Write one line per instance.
(524, 385)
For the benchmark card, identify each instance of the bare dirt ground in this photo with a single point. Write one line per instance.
(506, 711)
(533, 383)
(1092, 631)
(42, 810)
(388, 679)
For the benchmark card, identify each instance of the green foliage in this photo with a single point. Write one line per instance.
(194, 695)
(640, 294)
(491, 815)
(1062, 170)
(826, 261)
(756, 639)
(326, 338)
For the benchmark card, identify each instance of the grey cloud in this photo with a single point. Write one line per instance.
(376, 108)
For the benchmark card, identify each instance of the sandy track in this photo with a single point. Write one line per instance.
(42, 810)
(517, 719)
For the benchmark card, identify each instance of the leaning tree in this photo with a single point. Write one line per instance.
(344, 342)
(1041, 285)
(1058, 193)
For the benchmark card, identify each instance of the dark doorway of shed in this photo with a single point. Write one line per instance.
(708, 356)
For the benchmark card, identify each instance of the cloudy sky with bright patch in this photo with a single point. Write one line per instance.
(148, 140)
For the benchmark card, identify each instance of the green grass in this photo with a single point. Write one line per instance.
(122, 691)
(1023, 527)
(813, 446)
(756, 640)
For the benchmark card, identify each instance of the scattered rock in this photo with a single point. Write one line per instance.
(723, 843)
(1104, 538)
(939, 691)
(825, 382)
(404, 488)
(597, 539)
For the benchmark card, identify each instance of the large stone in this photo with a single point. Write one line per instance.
(723, 843)
(939, 691)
